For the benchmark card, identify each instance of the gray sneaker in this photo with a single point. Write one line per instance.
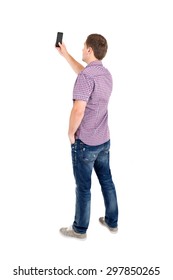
(102, 221)
(69, 231)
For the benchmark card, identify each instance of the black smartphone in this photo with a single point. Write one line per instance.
(59, 38)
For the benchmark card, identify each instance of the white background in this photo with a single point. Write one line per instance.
(37, 185)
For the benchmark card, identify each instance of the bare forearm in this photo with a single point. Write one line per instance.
(76, 66)
(75, 121)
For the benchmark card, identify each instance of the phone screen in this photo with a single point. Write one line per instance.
(59, 38)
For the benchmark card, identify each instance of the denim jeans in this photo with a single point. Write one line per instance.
(86, 158)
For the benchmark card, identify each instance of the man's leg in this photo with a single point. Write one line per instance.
(102, 169)
(83, 161)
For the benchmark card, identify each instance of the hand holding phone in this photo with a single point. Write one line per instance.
(59, 39)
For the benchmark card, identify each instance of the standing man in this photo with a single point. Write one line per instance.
(89, 135)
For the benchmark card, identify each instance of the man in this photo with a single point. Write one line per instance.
(89, 135)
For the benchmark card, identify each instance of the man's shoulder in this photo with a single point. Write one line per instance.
(95, 70)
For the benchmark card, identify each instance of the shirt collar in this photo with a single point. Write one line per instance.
(95, 62)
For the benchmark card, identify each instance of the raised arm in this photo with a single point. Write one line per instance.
(76, 66)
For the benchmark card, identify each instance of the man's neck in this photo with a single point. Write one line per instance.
(92, 60)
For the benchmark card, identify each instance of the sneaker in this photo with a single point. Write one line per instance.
(69, 231)
(102, 221)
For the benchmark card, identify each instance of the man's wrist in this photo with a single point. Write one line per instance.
(71, 138)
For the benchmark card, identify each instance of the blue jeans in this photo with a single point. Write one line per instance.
(86, 158)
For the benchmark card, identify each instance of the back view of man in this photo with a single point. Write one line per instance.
(89, 135)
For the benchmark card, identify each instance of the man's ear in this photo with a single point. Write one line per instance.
(90, 50)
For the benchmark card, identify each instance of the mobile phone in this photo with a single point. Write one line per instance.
(59, 38)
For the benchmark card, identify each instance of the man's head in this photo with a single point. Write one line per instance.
(95, 48)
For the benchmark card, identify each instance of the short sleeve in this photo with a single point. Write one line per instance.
(83, 87)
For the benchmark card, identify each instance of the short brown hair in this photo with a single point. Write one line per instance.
(98, 44)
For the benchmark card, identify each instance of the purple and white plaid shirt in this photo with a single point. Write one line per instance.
(94, 85)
